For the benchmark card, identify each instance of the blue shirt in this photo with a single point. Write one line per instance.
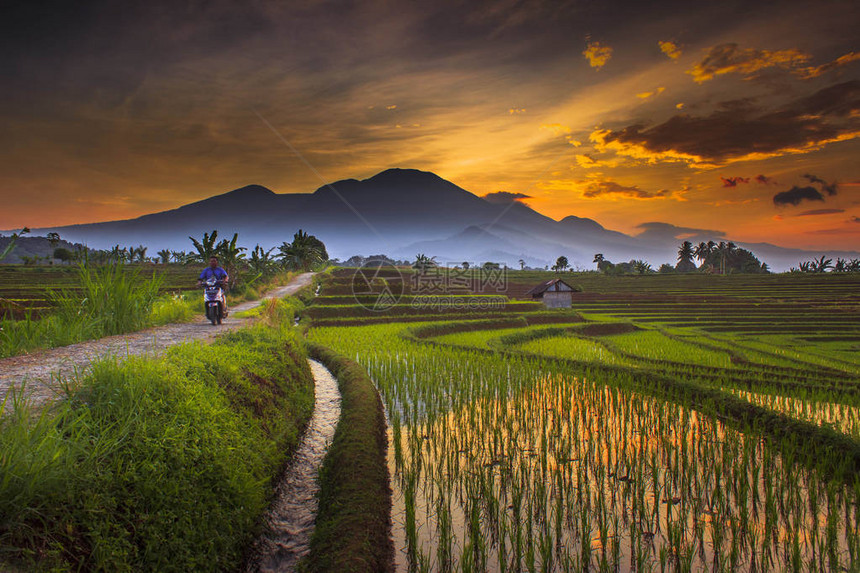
(219, 273)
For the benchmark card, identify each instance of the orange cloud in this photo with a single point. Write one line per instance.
(815, 71)
(588, 161)
(732, 133)
(646, 95)
(730, 59)
(671, 49)
(556, 128)
(597, 54)
(592, 189)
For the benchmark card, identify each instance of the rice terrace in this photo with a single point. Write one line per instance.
(509, 286)
(683, 423)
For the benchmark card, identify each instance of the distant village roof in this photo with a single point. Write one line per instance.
(552, 285)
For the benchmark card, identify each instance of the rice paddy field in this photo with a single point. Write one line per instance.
(664, 423)
(24, 289)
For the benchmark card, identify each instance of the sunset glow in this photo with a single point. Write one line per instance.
(673, 113)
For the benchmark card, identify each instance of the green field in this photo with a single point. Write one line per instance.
(23, 289)
(684, 422)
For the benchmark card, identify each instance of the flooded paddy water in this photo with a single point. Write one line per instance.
(505, 466)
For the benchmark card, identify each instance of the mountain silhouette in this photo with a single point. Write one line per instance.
(399, 212)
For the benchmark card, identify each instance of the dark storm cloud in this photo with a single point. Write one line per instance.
(739, 130)
(598, 188)
(796, 195)
(504, 197)
(662, 232)
(814, 212)
(733, 181)
(829, 188)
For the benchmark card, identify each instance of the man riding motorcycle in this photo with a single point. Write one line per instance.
(216, 272)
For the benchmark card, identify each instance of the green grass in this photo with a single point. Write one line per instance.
(575, 348)
(353, 522)
(109, 300)
(155, 465)
(655, 346)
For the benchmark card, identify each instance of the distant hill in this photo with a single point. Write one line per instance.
(400, 212)
(33, 247)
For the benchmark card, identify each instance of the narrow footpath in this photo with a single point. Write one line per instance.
(39, 374)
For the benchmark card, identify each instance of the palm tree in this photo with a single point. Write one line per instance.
(423, 263)
(139, 252)
(53, 238)
(261, 260)
(164, 256)
(206, 249)
(303, 253)
(117, 254)
(685, 252)
(561, 264)
(641, 267)
(231, 255)
(466, 265)
(821, 264)
(180, 257)
(685, 258)
(702, 251)
(522, 264)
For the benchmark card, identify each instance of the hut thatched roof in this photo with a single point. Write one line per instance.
(550, 285)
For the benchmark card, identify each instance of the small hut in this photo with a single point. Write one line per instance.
(554, 293)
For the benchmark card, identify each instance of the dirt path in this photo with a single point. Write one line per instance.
(38, 373)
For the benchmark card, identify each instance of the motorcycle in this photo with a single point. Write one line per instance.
(213, 300)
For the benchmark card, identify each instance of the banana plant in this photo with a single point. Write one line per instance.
(206, 248)
(11, 245)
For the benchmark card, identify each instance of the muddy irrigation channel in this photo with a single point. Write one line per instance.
(290, 521)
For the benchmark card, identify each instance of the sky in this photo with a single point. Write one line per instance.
(739, 117)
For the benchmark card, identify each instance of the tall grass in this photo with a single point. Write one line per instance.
(154, 465)
(110, 299)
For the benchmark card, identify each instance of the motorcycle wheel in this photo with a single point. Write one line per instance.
(212, 315)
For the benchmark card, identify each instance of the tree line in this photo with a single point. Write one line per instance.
(714, 258)
(823, 265)
(304, 253)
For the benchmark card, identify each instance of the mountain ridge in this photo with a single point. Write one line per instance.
(397, 211)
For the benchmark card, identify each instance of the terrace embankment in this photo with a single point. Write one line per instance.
(354, 519)
(155, 464)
